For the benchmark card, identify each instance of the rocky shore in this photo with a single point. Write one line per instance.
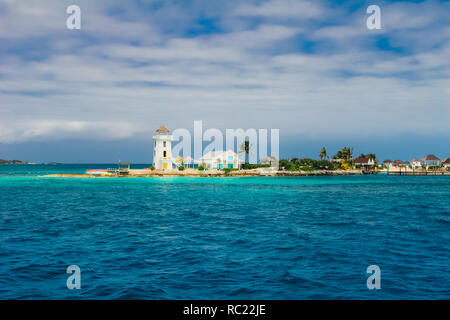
(213, 173)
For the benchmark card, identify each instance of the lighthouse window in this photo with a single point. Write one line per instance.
(164, 144)
(164, 154)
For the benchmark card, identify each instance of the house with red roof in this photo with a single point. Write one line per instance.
(398, 163)
(446, 163)
(431, 160)
(363, 163)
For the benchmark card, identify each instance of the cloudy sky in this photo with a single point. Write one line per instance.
(309, 68)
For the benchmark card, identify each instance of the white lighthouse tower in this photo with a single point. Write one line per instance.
(162, 150)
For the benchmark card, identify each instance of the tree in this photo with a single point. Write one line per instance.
(180, 160)
(346, 154)
(245, 147)
(323, 153)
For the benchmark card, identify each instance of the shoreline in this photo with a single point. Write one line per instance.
(136, 173)
(211, 173)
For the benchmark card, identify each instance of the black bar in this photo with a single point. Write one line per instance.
(224, 309)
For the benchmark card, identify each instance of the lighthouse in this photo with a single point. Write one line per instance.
(162, 149)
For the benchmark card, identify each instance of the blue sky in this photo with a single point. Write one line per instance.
(309, 68)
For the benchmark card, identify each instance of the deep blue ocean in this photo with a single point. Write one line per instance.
(222, 238)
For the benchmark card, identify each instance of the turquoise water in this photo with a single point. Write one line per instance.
(222, 238)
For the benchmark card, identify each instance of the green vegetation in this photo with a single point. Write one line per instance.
(343, 166)
(2, 161)
(152, 168)
(323, 154)
(306, 164)
(180, 160)
(345, 153)
(249, 166)
(227, 171)
(180, 168)
(201, 168)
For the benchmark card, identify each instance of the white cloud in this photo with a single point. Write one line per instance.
(299, 9)
(62, 129)
(134, 77)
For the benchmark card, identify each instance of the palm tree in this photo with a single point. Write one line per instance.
(347, 154)
(180, 160)
(245, 147)
(323, 153)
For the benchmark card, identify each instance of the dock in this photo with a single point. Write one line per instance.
(418, 173)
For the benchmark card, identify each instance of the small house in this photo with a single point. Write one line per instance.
(415, 163)
(398, 163)
(219, 160)
(431, 160)
(124, 168)
(363, 163)
(446, 163)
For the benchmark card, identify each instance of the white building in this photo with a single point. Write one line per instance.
(162, 155)
(363, 162)
(219, 160)
(162, 149)
(415, 163)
